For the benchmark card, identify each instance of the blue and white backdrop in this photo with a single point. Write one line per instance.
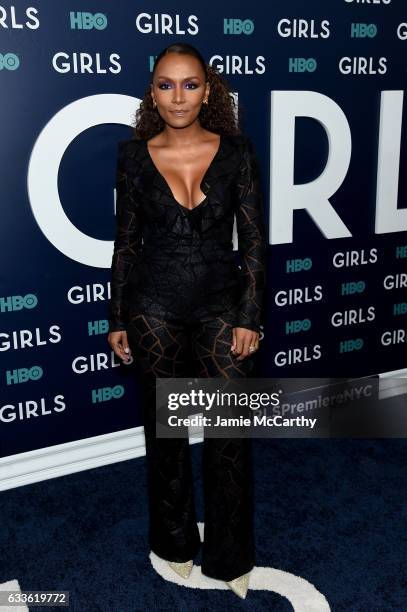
(322, 86)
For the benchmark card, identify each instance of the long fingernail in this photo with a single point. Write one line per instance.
(126, 350)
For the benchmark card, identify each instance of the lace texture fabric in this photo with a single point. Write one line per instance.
(179, 264)
(173, 350)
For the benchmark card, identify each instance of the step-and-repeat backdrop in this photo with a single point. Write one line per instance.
(322, 88)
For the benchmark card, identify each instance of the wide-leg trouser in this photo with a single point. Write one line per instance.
(162, 349)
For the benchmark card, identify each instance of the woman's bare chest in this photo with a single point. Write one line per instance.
(184, 171)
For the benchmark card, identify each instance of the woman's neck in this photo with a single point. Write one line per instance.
(179, 137)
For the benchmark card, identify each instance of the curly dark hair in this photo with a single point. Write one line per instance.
(219, 115)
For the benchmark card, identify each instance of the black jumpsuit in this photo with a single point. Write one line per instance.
(178, 292)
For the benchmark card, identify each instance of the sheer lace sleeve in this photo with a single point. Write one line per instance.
(127, 242)
(251, 240)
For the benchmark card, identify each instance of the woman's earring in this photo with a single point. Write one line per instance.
(154, 104)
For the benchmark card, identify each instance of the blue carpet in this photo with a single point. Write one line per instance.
(331, 511)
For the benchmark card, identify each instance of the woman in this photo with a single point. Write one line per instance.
(179, 302)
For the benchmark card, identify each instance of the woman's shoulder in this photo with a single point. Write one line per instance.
(242, 142)
(243, 145)
(129, 145)
(131, 153)
(131, 157)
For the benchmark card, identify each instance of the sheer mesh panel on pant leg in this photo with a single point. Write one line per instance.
(228, 548)
(161, 350)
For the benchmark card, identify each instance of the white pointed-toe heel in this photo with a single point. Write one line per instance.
(240, 585)
(182, 569)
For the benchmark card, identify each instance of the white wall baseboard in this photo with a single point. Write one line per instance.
(63, 459)
(402, 373)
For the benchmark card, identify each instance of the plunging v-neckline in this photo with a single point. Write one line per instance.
(200, 184)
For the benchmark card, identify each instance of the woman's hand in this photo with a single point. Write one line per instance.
(118, 342)
(243, 339)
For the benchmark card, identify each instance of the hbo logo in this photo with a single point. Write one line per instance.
(300, 64)
(107, 393)
(13, 377)
(296, 265)
(400, 309)
(293, 327)
(363, 30)
(353, 287)
(9, 61)
(347, 346)
(87, 21)
(18, 302)
(237, 26)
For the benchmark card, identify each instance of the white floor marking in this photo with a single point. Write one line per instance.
(301, 594)
(12, 585)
